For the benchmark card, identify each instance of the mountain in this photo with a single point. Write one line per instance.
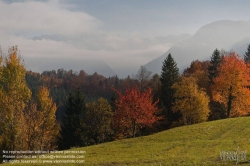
(89, 66)
(116, 47)
(220, 34)
(241, 46)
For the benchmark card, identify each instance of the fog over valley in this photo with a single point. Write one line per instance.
(116, 38)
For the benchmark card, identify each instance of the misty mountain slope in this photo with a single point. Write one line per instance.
(89, 66)
(241, 46)
(219, 34)
(138, 50)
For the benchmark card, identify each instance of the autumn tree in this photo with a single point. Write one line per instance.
(98, 121)
(33, 119)
(73, 125)
(198, 70)
(134, 109)
(155, 85)
(143, 76)
(14, 94)
(247, 54)
(230, 87)
(48, 126)
(191, 101)
(169, 76)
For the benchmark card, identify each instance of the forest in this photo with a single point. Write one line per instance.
(57, 110)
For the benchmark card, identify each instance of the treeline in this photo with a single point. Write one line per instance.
(63, 109)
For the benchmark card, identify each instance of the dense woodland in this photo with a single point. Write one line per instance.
(63, 109)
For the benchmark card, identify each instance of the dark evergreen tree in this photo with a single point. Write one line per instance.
(169, 75)
(218, 111)
(247, 54)
(214, 64)
(72, 127)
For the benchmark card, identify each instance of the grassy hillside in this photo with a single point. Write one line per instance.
(198, 144)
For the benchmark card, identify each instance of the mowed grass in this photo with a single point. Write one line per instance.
(198, 144)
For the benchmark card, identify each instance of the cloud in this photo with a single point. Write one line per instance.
(48, 17)
(67, 34)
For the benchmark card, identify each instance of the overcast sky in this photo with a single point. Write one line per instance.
(113, 31)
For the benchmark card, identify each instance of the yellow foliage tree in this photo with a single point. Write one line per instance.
(98, 121)
(191, 101)
(32, 131)
(14, 94)
(48, 126)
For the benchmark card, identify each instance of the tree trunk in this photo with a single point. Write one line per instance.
(134, 128)
(229, 103)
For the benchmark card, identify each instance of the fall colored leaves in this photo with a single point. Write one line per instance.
(134, 109)
(231, 87)
(204, 90)
(23, 125)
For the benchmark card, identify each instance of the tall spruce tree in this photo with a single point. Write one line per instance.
(218, 111)
(169, 75)
(214, 64)
(72, 127)
(247, 54)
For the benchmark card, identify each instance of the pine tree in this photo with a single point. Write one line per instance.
(247, 54)
(72, 126)
(169, 75)
(214, 64)
(217, 109)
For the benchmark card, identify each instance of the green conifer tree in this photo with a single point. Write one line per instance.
(217, 109)
(72, 127)
(214, 64)
(169, 75)
(247, 54)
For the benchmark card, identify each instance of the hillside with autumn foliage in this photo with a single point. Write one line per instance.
(58, 110)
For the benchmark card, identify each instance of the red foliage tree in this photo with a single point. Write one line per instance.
(134, 109)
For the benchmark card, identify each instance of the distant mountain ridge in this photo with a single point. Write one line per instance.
(100, 41)
(220, 34)
(40, 64)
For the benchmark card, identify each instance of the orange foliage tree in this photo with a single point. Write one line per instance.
(230, 87)
(134, 109)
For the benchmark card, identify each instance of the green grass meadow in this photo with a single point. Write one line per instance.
(198, 144)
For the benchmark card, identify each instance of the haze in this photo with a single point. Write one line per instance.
(122, 34)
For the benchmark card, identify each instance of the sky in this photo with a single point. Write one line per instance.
(125, 34)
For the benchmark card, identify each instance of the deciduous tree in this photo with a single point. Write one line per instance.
(198, 70)
(48, 126)
(134, 109)
(33, 119)
(98, 121)
(14, 94)
(230, 87)
(191, 101)
(143, 76)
